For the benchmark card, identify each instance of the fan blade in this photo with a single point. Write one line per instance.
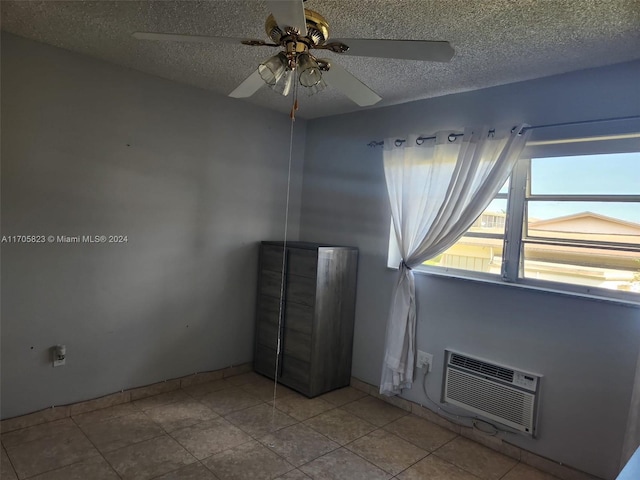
(172, 37)
(289, 13)
(353, 88)
(251, 85)
(402, 49)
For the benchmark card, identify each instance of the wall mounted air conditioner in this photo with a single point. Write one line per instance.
(496, 392)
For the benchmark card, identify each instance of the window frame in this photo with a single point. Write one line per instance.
(516, 235)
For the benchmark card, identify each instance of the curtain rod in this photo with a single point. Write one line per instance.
(452, 137)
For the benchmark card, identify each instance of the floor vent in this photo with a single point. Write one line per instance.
(498, 393)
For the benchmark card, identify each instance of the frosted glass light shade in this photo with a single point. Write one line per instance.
(273, 69)
(284, 84)
(318, 87)
(310, 74)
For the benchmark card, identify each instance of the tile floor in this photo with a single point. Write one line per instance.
(228, 430)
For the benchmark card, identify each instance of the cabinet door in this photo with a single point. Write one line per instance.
(300, 290)
(271, 258)
(302, 262)
(297, 319)
(295, 374)
(264, 360)
(267, 321)
(296, 327)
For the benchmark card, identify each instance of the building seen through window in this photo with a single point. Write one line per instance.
(580, 225)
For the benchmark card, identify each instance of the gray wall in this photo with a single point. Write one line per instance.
(586, 350)
(194, 179)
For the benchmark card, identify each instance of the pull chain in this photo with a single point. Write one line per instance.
(292, 116)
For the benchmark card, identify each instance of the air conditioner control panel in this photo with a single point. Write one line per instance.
(525, 381)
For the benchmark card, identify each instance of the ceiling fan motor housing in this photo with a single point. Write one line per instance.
(317, 28)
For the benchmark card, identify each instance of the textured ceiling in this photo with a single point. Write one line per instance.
(496, 41)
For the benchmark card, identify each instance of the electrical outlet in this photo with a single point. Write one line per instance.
(59, 353)
(424, 360)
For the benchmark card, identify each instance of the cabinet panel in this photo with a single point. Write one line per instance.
(297, 345)
(264, 360)
(301, 290)
(270, 283)
(268, 309)
(267, 333)
(271, 258)
(295, 371)
(298, 317)
(302, 262)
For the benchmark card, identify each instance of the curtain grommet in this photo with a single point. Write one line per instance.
(398, 142)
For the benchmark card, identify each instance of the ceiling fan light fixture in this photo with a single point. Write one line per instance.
(273, 69)
(285, 82)
(317, 88)
(310, 74)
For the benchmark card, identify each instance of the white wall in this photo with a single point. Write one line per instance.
(194, 179)
(586, 350)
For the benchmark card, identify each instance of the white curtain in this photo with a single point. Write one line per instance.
(437, 188)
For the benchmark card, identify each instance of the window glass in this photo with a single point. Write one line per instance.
(610, 174)
(592, 241)
(590, 267)
(492, 220)
(482, 251)
(585, 221)
(477, 254)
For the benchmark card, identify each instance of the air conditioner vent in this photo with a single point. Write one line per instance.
(511, 406)
(494, 371)
(496, 392)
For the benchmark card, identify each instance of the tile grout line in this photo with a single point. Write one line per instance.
(509, 471)
(94, 446)
(301, 422)
(429, 453)
(336, 408)
(296, 422)
(253, 439)
(130, 400)
(369, 461)
(411, 442)
(461, 467)
(413, 464)
(9, 458)
(99, 453)
(580, 474)
(124, 446)
(176, 469)
(167, 433)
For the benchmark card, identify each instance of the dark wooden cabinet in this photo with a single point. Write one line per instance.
(313, 304)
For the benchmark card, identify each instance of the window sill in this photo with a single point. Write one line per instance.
(495, 280)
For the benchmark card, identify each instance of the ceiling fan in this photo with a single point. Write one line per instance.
(299, 31)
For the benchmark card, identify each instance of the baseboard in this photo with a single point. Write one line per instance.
(62, 411)
(493, 442)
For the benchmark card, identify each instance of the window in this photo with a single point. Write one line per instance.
(480, 249)
(569, 222)
(582, 221)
